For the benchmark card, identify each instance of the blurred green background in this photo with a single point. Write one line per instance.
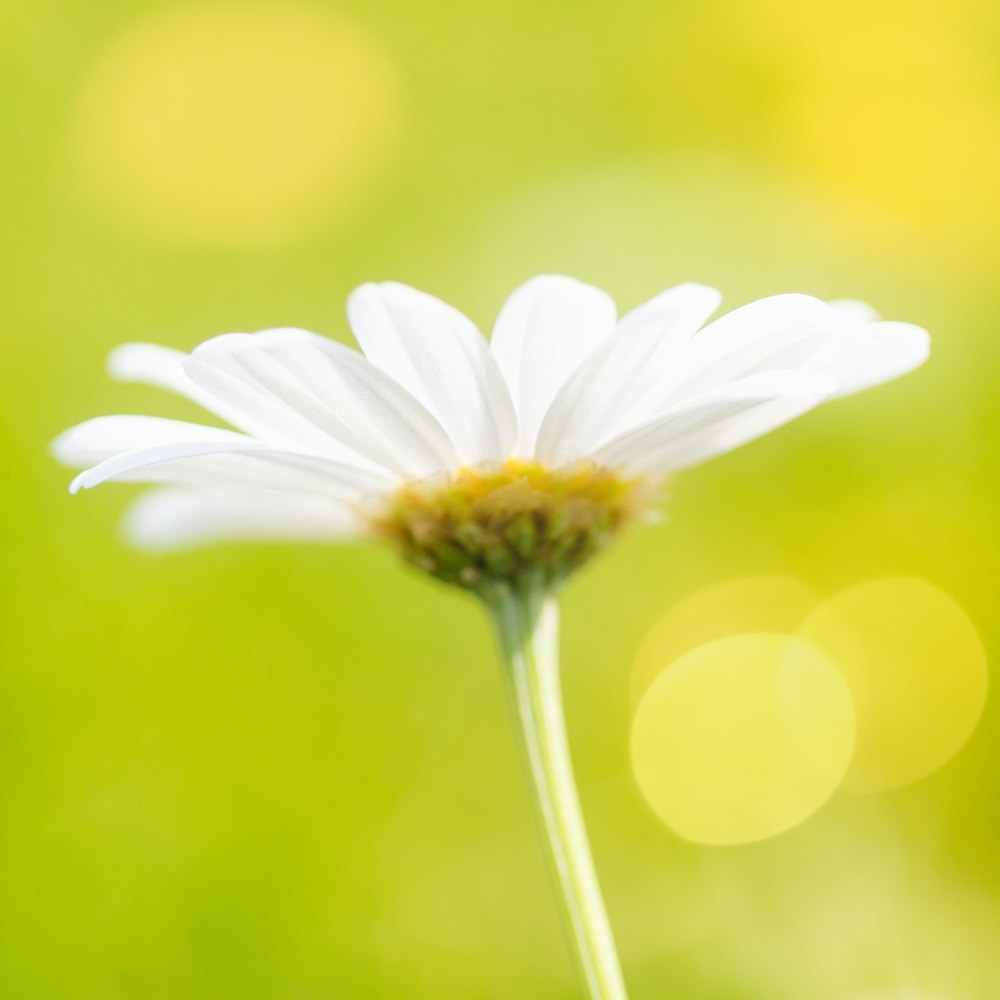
(285, 772)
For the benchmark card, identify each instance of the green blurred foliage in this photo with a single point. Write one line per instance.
(285, 772)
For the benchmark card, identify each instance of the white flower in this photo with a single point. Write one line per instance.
(320, 429)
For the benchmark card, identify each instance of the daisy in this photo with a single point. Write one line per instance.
(482, 461)
(500, 468)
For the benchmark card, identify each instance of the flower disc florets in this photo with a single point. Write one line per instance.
(509, 523)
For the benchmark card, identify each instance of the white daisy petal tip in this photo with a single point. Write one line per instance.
(101, 438)
(546, 330)
(126, 464)
(687, 294)
(439, 356)
(85, 480)
(915, 339)
(152, 364)
(881, 352)
(855, 310)
(910, 343)
(63, 448)
(563, 283)
(395, 292)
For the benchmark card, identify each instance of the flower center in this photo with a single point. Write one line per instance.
(514, 523)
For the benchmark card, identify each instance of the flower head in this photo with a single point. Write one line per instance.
(483, 462)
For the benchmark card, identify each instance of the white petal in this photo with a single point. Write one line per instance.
(439, 356)
(237, 400)
(129, 461)
(153, 365)
(241, 464)
(879, 352)
(715, 422)
(780, 332)
(762, 319)
(331, 387)
(180, 518)
(857, 355)
(611, 390)
(271, 470)
(854, 309)
(798, 332)
(676, 311)
(544, 332)
(101, 438)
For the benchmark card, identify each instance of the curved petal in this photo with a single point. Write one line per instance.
(439, 356)
(102, 438)
(856, 354)
(239, 464)
(854, 309)
(166, 519)
(238, 402)
(796, 332)
(331, 387)
(675, 312)
(715, 422)
(763, 319)
(153, 364)
(779, 332)
(610, 391)
(280, 471)
(877, 353)
(544, 332)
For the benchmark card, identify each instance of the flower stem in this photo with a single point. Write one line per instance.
(528, 625)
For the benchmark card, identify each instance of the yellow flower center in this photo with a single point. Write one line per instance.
(515, 523)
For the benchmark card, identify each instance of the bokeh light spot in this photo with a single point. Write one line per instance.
(744, 604)
(917, 671)
(235, 123)
(743, 738)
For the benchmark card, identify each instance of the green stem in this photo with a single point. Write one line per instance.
(528, 626)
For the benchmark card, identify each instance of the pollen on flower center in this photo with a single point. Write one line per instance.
(511, 523)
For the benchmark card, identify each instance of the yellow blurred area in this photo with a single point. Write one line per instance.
(711, 737)
(909, 129)
(887, 108)
(917, 672)
(749, 604)
(228, 123)
(893, 108)
(743, 737)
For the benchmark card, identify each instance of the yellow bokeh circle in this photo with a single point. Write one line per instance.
(917, 672)
(744, 604)
(743, 737)
(237, 123)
